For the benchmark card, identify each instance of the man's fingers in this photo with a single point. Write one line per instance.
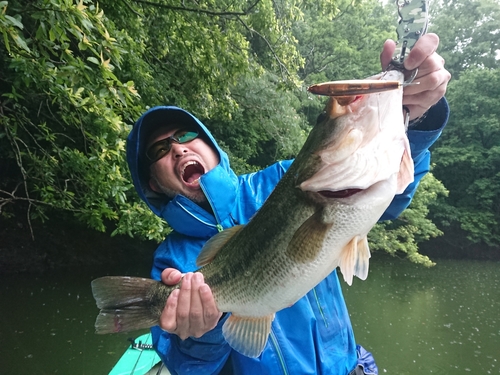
(168, 318)
(190, 310)
(184, 306)
(424, 48)
(196, 319)
(210, 310)
(427, 83)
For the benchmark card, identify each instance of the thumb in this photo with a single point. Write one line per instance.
(171, 276)
(387, 52)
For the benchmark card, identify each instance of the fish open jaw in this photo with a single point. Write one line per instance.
(339, 193)
(192, 172)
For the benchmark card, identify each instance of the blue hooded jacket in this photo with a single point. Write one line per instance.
(314, 336)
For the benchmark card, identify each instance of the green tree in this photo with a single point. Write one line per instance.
(469, 33)
(403, 235)
(76, 75)
(468, 159)
(74, 80)
(266, 126)
(342, 44)
(63, 110)
(346, 45)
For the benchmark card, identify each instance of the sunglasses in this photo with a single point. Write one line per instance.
(162, 147)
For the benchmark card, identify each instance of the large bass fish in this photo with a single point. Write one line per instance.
(354, 161)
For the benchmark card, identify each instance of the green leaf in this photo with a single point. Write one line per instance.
(14, 21)
(93, 60)
(20, 42)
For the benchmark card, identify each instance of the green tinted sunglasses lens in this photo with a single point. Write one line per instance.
(186, 137)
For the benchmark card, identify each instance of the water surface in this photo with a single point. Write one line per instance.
(46, 325)
(442, 320)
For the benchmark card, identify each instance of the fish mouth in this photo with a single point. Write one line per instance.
(345, 193)
(191, 172)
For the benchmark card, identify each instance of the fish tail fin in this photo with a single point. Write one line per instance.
(247, 335)
(124, 304)
(354, 259)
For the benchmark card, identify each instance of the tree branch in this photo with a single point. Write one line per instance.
(198, 10)
(283, 67)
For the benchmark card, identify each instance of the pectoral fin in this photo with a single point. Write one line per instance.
(363, 259)
(247, 335)
(406, 171)
(354, 259)
(308, 240)
(214, 244)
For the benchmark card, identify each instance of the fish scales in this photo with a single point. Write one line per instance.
(354, 161)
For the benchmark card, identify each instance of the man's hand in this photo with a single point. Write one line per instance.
(432, 77)
(190, 310)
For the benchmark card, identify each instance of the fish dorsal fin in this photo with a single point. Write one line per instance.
(406, 170)
(354, 259)
(307, 241)
(214, 244)
(247, 335)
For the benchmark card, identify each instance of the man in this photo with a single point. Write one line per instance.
(181, 173)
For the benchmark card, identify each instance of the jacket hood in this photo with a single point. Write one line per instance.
(219, 184)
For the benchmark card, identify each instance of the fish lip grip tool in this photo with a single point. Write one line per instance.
(413, 23)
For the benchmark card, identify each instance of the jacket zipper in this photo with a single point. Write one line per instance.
(218, 226)
(274, 341)
(320, 308)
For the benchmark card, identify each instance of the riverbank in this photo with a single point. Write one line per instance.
(63, 243)
(454, 245)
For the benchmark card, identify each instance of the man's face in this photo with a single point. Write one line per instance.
(178, 172)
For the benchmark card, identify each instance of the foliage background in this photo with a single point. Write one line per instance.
(75, 75)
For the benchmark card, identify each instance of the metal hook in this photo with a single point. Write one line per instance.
(414, 73)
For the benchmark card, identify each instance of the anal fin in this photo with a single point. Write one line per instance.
(247, 335)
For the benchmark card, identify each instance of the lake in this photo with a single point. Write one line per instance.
(442, 320)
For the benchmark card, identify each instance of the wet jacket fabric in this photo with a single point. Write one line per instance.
(314, 336)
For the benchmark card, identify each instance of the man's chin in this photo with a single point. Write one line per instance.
(191, 191)
(196, 197)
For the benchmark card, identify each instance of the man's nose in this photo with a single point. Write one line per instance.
(178, 149)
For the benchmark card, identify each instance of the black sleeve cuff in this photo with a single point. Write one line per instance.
(433, 119)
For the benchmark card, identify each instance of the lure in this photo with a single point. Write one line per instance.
(353, 87)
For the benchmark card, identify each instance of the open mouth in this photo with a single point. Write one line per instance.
(192, 172)
(339, 194)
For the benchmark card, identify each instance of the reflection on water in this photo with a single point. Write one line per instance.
(443, 320)
(46, 325)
